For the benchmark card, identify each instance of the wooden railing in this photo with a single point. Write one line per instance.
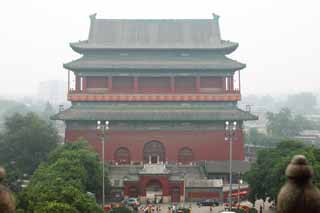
(224, 96)
(106, 91)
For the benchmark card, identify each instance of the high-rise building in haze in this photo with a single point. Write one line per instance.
(53, 91)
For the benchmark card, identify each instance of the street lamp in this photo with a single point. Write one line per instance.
(230, 132)
(103, 127)
(184, 188)
(240, 181)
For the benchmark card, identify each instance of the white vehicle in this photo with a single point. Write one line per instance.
(132, 201)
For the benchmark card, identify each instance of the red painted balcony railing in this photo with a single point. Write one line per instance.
(105, 96)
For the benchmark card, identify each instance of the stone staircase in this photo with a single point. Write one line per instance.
(190, 171)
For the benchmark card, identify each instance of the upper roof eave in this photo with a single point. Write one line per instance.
(81, 47)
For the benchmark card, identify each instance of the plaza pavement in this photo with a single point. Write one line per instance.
(205, 209)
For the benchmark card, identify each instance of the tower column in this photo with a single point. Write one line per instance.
(84, 83)
(239, 81)
(110, 83)
(135, 84)
(231, 83)
(223, 79)
(68, 80)
(77, 83)
(198, 84)
(172, 84)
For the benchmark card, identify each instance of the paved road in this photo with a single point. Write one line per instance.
(194, 208)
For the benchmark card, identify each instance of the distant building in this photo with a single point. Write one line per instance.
(53, 91)
(310, 137)
(166, 87)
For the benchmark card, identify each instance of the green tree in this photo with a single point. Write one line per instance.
(25, 143)
(267, 174)
(55, 207)
(254, 137)
(71, 171)
(284, 124)
(88, 158)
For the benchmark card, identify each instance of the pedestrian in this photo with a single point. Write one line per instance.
(174, 208)
(210, 209)
(7, 204)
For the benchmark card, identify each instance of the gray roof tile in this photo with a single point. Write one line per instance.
(154, 33)
(217, 63)
(155, 114)
(223, 166)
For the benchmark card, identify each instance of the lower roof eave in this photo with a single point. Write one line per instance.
(73, 114)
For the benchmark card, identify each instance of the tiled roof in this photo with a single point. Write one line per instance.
(238, 166)
(99, 62)
(154, 113)
(154, 34)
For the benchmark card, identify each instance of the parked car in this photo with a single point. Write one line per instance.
(208, 202)
(132, 201)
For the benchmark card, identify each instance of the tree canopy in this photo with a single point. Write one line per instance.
(25, 143)
(253, 136)
(267, 174)
(285, 124)
(63, 181)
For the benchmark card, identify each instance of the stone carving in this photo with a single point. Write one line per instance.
(299, 195)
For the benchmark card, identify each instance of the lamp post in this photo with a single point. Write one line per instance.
(184, 187)
(239, 184)
(230, 130)
(103, 127)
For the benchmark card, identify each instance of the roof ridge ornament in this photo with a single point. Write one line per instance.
(93, 16)
(215, 17)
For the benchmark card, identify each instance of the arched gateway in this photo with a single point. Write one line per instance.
(153, 152)
(153, 190)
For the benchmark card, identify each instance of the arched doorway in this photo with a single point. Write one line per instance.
(185, 155)
(153, 152)
(154, 190)
(122, 156)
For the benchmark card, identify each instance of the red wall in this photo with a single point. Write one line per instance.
(206, 145)
(185, 84)
(211, 82)
(154, 84)
(122, 84)
(97, 82)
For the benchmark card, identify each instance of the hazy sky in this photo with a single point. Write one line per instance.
(279, 39)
